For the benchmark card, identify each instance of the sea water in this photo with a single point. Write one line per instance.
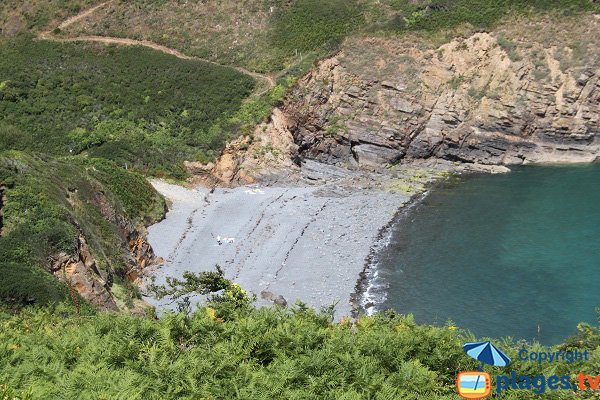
(514, 254)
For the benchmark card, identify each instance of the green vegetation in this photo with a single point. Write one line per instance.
(310, 25)
(456, 81)
(269, 35)
(49, 203)
(336, 125)
(18, 16)
(138, 107)
(435, 15)
(230, 350)
(229, 32)
(510, 48)
(542, 70)
(274, 35)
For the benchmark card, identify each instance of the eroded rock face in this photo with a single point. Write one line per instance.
(483, 99)
(81, 273)
(268, 157)
(141, 255)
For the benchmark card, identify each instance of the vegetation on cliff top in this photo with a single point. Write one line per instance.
(276, 34)
(48, 203)
(435, 15)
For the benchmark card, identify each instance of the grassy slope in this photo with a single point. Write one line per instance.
(133, 105)
(260, 35)
(47, 199)
(18, 16)
(274, 35)
(229, 32)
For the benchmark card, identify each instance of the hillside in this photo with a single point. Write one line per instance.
(18, 17)
(73, 223)
(275, 35)
(127, 104)
(254, 34)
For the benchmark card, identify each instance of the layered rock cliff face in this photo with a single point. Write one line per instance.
(501, 98)
(81, 272)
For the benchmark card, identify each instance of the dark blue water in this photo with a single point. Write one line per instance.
(501, 255)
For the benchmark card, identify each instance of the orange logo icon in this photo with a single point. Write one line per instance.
(474, 385)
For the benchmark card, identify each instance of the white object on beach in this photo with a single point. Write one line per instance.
(254, 191)
(221, 240)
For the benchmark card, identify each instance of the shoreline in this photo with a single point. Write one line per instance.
(363, 301)
(313, 240)
(305, 240)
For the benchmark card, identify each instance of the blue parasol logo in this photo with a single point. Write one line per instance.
(486, 353)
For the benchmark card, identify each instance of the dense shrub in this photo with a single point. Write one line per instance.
(268, 353)
(435, 15)
(136, 106)
(308, 25)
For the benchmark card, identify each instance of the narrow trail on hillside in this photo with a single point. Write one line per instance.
(48, 35)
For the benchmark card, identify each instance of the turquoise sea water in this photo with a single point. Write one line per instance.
(515, 254)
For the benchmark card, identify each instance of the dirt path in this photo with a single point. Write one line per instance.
(82, 15)
(132, 42)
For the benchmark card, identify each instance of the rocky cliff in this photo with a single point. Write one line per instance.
(529, 93)
(81, 272)
(482, 99)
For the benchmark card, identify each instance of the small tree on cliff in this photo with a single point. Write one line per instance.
(224, 296)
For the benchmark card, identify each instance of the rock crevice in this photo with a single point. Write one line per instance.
(80, 272)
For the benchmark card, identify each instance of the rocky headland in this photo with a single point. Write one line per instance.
(529, 93)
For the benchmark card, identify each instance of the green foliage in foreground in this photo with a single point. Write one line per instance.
(268, 353)
(49, 203)
(136, 106)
